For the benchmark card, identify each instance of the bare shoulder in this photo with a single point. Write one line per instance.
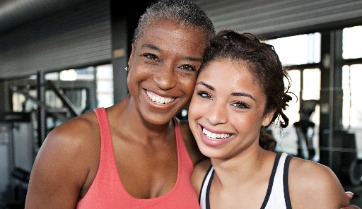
(313, 185)
(73, 134)
(199, 173)
(78, 127)
(76, 140)
(202, 167)
(190, 142)
(66, 159)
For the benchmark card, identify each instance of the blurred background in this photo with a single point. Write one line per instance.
(62, 58)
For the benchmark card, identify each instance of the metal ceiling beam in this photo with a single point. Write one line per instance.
(17, 12)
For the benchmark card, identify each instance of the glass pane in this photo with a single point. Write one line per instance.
(23, 104)
(311, 84)
(300, 49)
(352, 103)
(287, 138)
(105, 96)
(75, 91)
(351, 39)
(73, 86)
(24, 94)
(352, 100)
(293, 110)
(311, 97)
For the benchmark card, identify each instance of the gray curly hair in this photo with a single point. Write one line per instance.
(182, 11)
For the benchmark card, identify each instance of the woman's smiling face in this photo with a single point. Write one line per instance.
(227, 109)
(163, 68)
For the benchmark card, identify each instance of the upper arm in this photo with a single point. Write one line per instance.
(60, 168)
(198, 174)
(313, 185)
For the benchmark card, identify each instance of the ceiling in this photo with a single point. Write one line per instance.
(278, 17)
(16, 12)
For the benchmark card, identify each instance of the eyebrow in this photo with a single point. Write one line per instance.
(151, 46)
(238, 94)
(241, 94)
(189, 58)
(206, 85)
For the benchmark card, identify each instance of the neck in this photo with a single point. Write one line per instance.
(136, 127)
(241, 169)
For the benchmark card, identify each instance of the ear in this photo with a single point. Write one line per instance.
(268, 118)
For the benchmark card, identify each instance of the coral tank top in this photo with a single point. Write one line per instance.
(107, 191)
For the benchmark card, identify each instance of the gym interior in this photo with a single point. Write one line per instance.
(62, 58)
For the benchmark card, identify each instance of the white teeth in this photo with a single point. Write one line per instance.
(214, 136)
(158, 99)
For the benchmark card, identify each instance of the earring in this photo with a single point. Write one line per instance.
(126, 68)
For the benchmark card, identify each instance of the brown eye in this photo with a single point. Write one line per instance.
(188, 67)
(241, 105)
(151, 56)
(203, 94)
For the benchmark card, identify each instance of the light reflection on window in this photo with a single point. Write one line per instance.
(300, 49)
(105, 97)
(287, 138)
(84, 88)
(352, 100)
(311, 84)
(352, 42)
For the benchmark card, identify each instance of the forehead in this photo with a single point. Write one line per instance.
(226, 67)
(229, 73)
(173, 36)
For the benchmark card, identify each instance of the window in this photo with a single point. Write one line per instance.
(352, 39)
(300, 49)
(352, 100)
(351, 78)
(305, 84)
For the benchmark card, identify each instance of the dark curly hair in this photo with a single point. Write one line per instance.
(264, 65)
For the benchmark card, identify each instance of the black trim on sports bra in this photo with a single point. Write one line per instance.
(285, 182)
(271, 180)
(270, 185)
(208, 190)
(203, 182)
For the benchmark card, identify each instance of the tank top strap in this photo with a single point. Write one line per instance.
(204, 200)
(184, 159)
(104, 128)
(176, 123)
(179, 139)
(277, 194)
(183, 184)
(107, 159)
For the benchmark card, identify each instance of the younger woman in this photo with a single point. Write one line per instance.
(239, 91)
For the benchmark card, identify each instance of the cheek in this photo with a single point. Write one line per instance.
(132, 75)
(249, 125)
(193, 116)
(194, 109)
(132, 78)
(188, 85)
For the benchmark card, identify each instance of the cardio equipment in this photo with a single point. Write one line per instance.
(305, 129)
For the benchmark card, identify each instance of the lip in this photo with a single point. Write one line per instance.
(213, 143)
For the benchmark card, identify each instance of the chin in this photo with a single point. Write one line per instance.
(159, 120)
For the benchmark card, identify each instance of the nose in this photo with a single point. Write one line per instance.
(165, 78)
(217, 113)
